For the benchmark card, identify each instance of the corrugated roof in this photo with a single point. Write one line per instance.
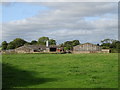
(85, 44)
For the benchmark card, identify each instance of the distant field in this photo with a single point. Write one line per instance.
(60, 71)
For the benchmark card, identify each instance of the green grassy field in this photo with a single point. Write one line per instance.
(60, 70)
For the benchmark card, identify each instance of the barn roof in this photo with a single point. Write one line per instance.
(35, 47)
(32, 47)
(85, 44)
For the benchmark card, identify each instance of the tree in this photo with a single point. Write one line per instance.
(11, 45)
(75, 42)
(27, 43)
(112, 44)
(116, 46)
(4, 45)
(107, 41)
(42, 40)
(69, 44)
(33, 42)
(18, 42)
(62, 45)
(52, 42)
(106, 45)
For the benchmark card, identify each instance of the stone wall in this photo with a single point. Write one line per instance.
(77, 52)
(8, 51)
(105, 50)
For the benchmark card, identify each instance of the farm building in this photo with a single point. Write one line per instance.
(89, 48)
(38, 48)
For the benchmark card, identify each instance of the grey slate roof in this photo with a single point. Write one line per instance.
(36, 47)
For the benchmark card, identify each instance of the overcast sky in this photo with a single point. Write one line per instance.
(62, 21)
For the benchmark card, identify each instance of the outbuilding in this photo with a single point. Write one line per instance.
(38, 49)
(89, 48)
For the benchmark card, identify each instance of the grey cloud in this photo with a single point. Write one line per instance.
(59, 0)
(66, 21)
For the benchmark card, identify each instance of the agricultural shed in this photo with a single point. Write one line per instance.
(89, 48)
(30, 49)
(38, 48)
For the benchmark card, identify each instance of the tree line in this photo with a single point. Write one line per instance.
(113, 45)
(18, 42)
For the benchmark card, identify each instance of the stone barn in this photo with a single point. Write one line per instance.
(38, 48)
(30, 49)
(89, 48)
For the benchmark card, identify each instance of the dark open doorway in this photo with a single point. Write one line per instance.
(52, 49)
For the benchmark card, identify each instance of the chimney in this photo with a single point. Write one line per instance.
(47, 43)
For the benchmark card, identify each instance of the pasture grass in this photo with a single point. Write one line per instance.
(60, 70)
